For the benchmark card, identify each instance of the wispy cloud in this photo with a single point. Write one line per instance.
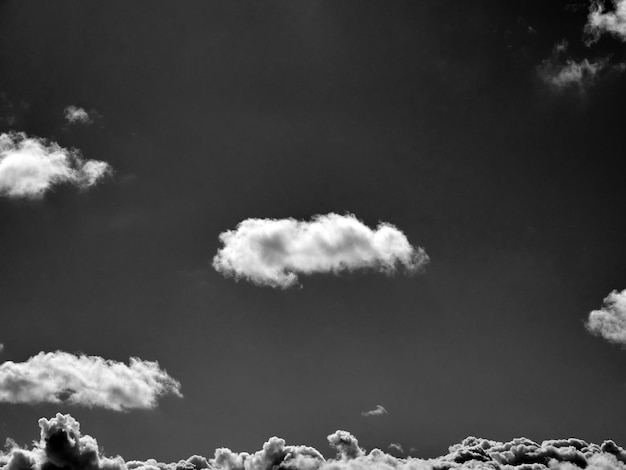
(397, 447)
(1, 348)
(610, 321)
(561, 72)
(74, 114)
(613, 22)
(62, 445)
(271, 252)
(31, 166)
(378, 411)
(60, 377)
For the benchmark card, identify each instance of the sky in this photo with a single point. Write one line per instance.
(226, 221)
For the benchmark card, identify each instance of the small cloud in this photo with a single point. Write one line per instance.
(561, 72)
(271, 252)
(610, 321)
(31, 166)
(571, 73)
(397, 447)
(74, 115)
(60, 377)
(601, 21)
(1, 348)
(378, 411)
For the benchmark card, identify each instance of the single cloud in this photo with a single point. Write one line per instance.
(273, 252)
(60, 377)
(397, 447)
(31, 166)
(610, 321)
(560, 72)
(1, 348)
(378, 411)
(63, 446)
(74, 114)
(601, 21)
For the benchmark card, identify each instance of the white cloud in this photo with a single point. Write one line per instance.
(378, 411)
(60, 377)
(74, 114)
(273, 252)
(601, 21)
(30, 166)
(1, 348)
(610, 321)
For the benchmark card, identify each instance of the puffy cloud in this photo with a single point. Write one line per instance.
(62, 446)
(30, 166)
(601, 21)
(74, 114)
(60, 377)
(271, 252)
(610, 321)
(378, 411)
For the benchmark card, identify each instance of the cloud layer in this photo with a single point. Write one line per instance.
(30, 166)
(610, 321)
(62, 446)
(60, 377)
(271, 252)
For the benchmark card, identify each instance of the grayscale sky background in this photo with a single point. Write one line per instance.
(429, 115)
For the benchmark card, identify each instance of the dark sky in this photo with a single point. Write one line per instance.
(426, 114)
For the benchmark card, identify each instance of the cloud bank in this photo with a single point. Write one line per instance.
(60, 377)
(62, 446)
(274, 252)
(74, 114)
(614, 22)
(31, 166)
(610, 321)
(378, 411)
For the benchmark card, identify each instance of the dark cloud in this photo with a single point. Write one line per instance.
(62, 446)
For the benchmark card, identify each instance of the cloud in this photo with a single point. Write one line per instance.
(610, 321)
(396, 446)
(30, 166)
(62, 446)
(74, 114)
(562, 73)
(600, 21)
(1, 348)
(378, 411)
(59, 377)
(273, 252)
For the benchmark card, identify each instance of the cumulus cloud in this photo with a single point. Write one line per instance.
(601, 21)
(378, 411)
(74, 114)
(62, 446)
(31, 166)
(609, 322)
(271, 252)
(60, 377)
